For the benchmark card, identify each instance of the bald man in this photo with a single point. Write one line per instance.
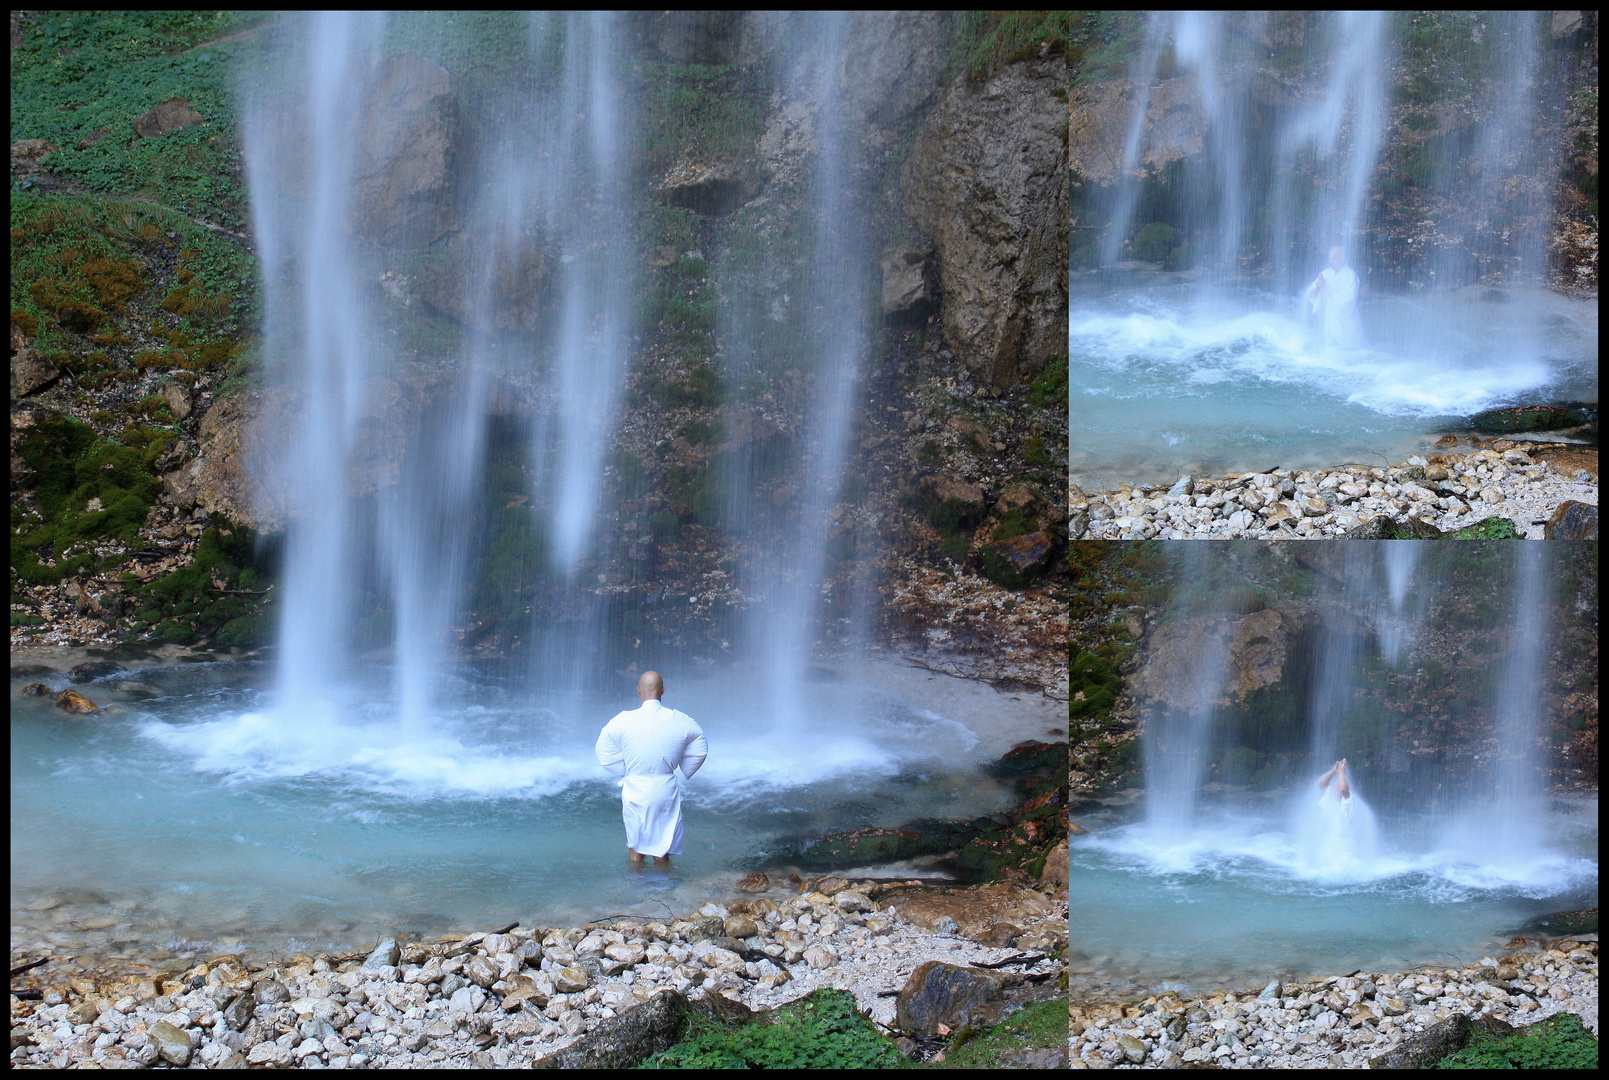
(1334, 297)
(644, 746)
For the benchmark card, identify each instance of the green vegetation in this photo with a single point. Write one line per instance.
(987, 40)
(1559, 1042)
(954, 520)
(1040, 1025)
(195, 602)
(1450, 53)
(80, 79)
(1049, 390)
(87, 489)
(90, 276)
(699, 113)
(822, 1030)
(1102, 44)
(1492, 528)
(1154, 241)
(1095, 676)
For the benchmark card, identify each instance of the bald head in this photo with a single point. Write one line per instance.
(1337, 257)
(650, 685)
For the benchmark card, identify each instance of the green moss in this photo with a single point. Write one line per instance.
(698, 112)
(1238, 766)
(1049, 390)
(822, 1030)
(72, 468)
(1034, 452)
(703, 432)
(1013, 525)
(247, 630)
(1039, 1025)
(1153, 242)
(986, 40)
(665, 526)
(953, 516)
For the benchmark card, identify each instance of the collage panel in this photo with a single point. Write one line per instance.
(1334, 275)
(1333, 805)
(537, 538)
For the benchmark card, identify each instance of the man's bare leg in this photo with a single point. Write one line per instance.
(635, 858)
(662, 862)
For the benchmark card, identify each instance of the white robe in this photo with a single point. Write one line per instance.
(644, 746)
(1337, 303)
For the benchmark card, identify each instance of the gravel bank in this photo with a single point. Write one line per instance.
(1447, 490)
(1335, 1022)
(486, 1000)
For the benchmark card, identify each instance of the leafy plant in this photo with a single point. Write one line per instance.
(1560, 1042)
(822, 1030)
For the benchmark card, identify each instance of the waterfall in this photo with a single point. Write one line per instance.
(1254, 192)
(1179, 735)
(319, 332)
(787, 560)
(555, 181)
(1521, 709)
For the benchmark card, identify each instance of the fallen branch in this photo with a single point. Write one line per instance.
(248, 592)
(1013, 960)
(28, 967)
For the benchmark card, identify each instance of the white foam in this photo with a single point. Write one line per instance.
(1222, 346)
(1315, 847)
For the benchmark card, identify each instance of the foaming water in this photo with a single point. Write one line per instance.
(1291, 886)
(208, 816)
(1166, 381)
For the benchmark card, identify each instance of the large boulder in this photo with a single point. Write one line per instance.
(172, 115)
(971, 911)
(893, 64)
(217, 479)
(1101, 114)
(1519, 418)
(938, 993)
(510, 297)
(1438, 1041)
(402, 179)
(627, 1040)
(32, 371)
(1255, 649)
(1572, 521)
(905, 290)
(1019, 561)
(986, 180)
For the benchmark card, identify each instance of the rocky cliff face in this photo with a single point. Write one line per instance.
(985, 180)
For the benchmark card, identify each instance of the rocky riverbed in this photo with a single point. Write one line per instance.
(510, 998)
(1335, 1021)
(1525, 483)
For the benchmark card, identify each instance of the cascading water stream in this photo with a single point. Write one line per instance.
(1179, 735)
(1517, 810)
(318, 325)
(790, 573)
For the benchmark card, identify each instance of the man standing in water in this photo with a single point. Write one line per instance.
(1334, 296)
(644, 746)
